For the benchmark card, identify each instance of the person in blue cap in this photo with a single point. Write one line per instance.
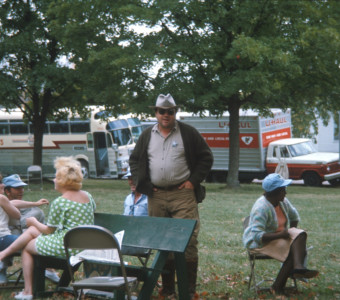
(272, 231)
(135, 204)
(14, 190)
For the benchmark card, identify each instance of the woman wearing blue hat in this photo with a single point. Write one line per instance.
(272, 231)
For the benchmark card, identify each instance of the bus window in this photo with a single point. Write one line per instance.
(136, 128)
(59, 127)
(89, 141)
(118, 124)
(80, 126)
(136, 132)
(18, 127)
(121, 136)
(4, 127)
(133, 121)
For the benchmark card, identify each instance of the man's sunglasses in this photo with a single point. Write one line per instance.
(162, 111)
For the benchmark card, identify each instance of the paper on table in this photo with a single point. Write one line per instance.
(102, 255)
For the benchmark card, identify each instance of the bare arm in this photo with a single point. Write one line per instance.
(9, 208)
(32, 221)
(26, 204)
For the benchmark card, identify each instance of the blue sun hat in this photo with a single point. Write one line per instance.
(13, 181)
(274, 181)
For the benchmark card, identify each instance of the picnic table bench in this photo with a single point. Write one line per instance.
(163, 235)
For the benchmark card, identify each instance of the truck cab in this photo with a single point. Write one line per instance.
(304, 161)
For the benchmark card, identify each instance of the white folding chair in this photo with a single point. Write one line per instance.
(34, 174)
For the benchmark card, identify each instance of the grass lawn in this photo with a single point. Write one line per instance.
(223, 265)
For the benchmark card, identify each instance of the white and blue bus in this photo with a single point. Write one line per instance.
(101, 143)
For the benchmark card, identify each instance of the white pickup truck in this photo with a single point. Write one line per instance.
(303, 161)
(263, 142)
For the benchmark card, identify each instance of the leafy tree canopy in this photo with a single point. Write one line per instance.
(57, 54)
(226, 55)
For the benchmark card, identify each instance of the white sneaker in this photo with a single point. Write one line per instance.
(53, 276)
(22, 296)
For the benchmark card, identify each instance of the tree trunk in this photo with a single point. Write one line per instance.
(234, 144)
(38, 128)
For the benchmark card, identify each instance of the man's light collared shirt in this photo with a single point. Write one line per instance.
(167, 162)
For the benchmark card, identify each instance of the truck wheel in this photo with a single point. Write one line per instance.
(84, 168)
(334, 182)
(311, 179)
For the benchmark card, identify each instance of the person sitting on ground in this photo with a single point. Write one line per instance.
(7, 210)
(14, 190)
(268, 233)
(135, 204)
(73, 208)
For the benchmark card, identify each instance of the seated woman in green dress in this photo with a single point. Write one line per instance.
(74, 207)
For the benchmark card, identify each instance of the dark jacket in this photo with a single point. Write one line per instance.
(197, 152)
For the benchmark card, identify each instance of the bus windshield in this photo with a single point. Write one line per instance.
(136, 128)
(120, 132)
(121, 137)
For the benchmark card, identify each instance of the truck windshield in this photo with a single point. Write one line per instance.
(301, 149)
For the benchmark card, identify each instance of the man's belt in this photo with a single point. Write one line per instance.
(169, 187)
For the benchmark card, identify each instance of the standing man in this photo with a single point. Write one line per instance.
(168, 164)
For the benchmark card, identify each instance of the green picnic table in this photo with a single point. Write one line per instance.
(160, 235)
(163, 235)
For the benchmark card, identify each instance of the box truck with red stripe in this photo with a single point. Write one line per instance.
(265, 141)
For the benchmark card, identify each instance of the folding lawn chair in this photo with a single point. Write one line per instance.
(253, 257)
(96, 237)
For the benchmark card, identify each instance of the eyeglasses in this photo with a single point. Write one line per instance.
(162, 111)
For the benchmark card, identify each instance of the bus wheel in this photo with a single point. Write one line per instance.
(84, 168)
(311, 179)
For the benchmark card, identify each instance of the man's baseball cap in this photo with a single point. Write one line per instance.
(13, 181)
(274, 181)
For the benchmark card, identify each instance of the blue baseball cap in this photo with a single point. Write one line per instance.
(274, 181)
(13, 181)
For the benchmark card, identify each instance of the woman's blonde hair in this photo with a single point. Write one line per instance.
(68, 173)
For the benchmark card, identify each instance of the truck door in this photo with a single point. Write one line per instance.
(280, 155)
